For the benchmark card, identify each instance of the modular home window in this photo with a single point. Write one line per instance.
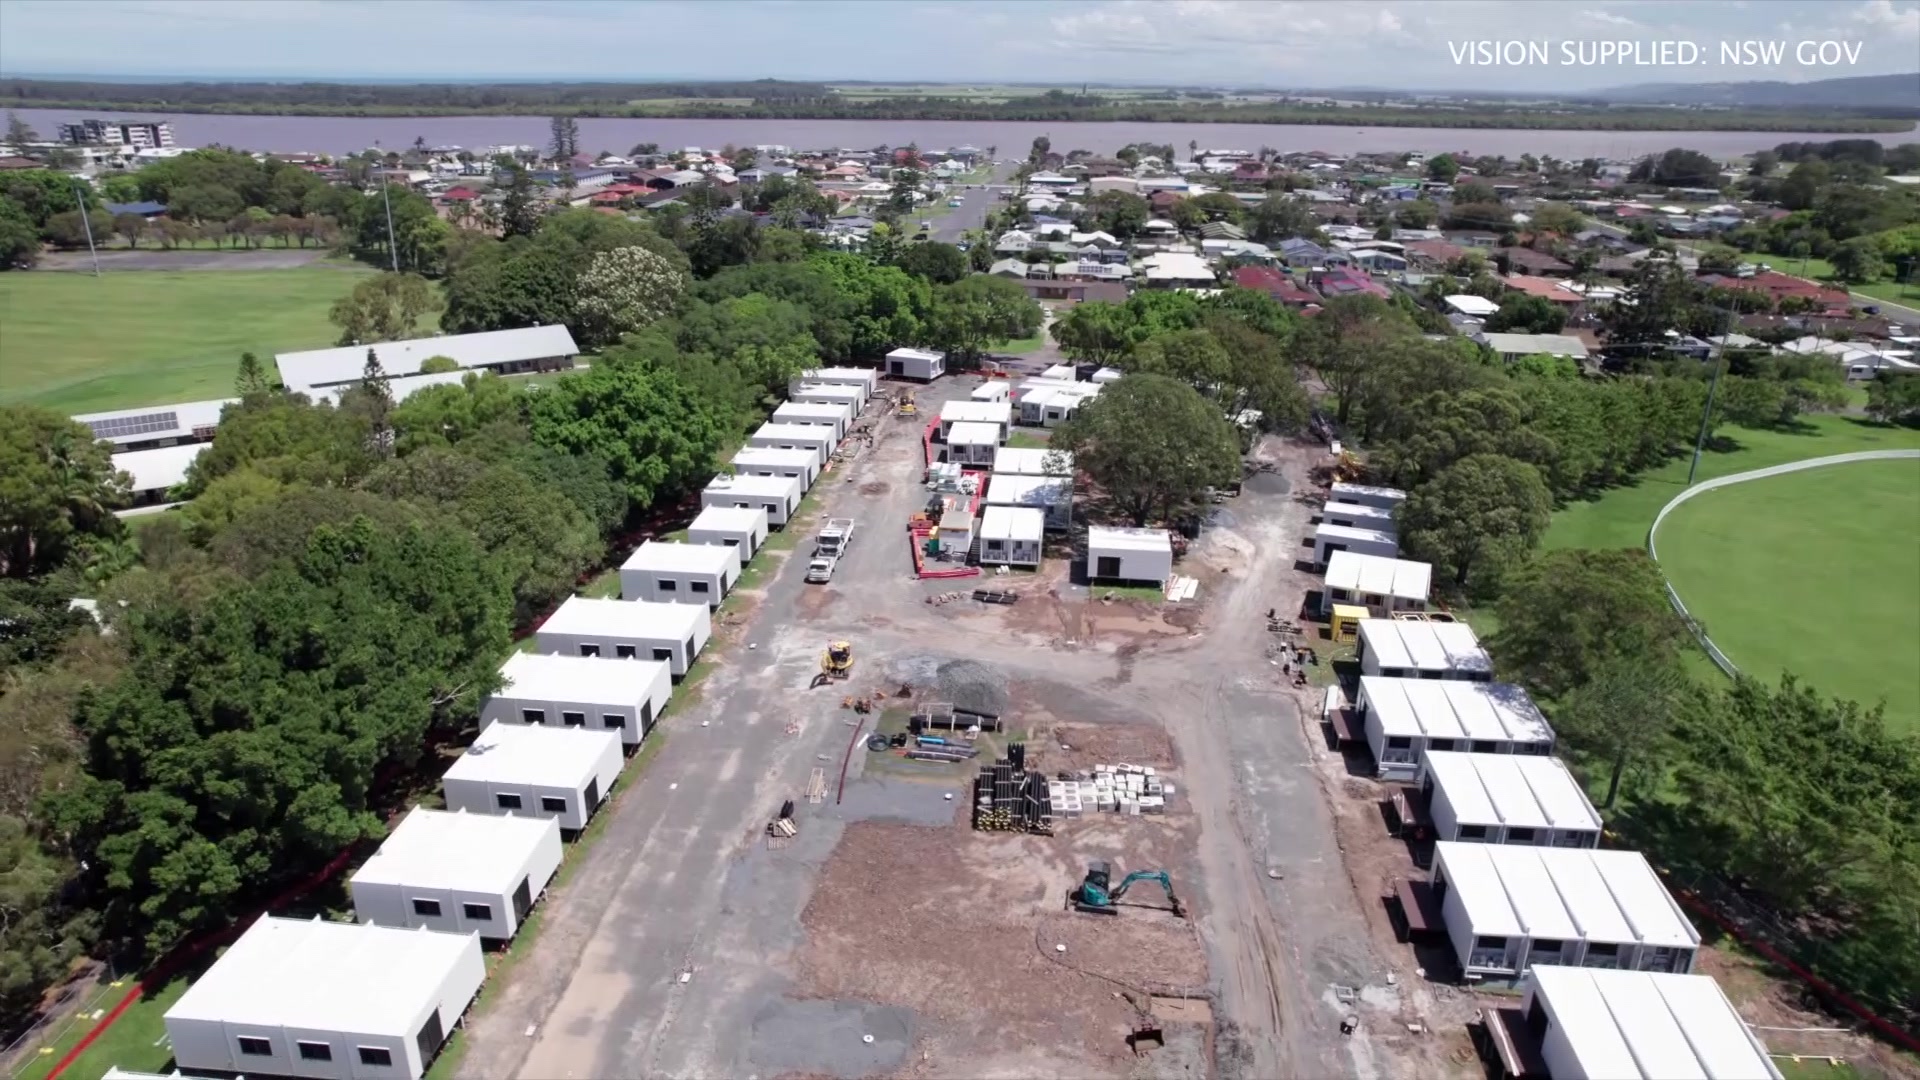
(663, 655)
(477, 912)
(313, 1051)
(431, 908)
(253, 1046)
(1399, 742)
(668, 585)
(1485, 746)
(553, 804)
(698, 586)
(1439, 744)
(624, 652)
(1473, 832)
(1340, 594)
(505, 801)
(573, 719)
(376, 1055)
(613, 721)
(1602, 954)
(533, 716)
(589, 650)
(1519, 836)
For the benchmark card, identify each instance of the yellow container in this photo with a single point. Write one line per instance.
(1346, 621)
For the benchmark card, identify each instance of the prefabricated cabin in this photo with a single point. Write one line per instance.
(779, 496)
(313, 998)
(533, 770)
(997, 413)
(918, 364)
(766, 461)
(1328, 539)
(1139, 556)
(1382, 586)
(991, 390)
(458, 873)
(569, 690)
(1366, 495)
(627, 630)
(1032, 461)
(1011, 536)
(1414, 649)
(855, 397)
(1402, 719)
(743, 528)
(1052, 494)
(812, 437)
(1050, 405)
(866, 379)
(1507, 908)
(829, 414)
(1506, 799)
(672, 573)
(972, 444)
(1359, 516)
(1588, 1023)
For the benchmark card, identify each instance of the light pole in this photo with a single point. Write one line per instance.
(86, 221)
(393, 248)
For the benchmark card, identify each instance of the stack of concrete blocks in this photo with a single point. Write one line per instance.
(1068, 798)
(1129, 789)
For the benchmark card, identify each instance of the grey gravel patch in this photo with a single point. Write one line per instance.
(827, 1037)
(1267, 483)
(910, 802)
(967, 684)
(1221, 518)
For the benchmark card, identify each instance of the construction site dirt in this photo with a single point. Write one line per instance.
(682, 944)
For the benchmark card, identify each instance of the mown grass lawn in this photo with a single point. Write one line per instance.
(137, 1041)
(1811, 572)
(78, 343)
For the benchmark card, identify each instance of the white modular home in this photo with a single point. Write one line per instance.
(1108, 375)
(458, 873)
(1011, 536)
(743, 528)
(1509, 908)
(312, 998)
(866, 379)
(972, 444)
(1051, 406)
(1328, 539)
(919, 364)
(1591, 1023)
(1408, 648)
(670, 573)
(855, 397)
(672, 634)
(1052, 494)
(991, 390)
(1032, 461)
(1402, 719)
(779, 496)
(1382, 586)
(569, 690)
(1062, 372)
(533, 770)
(1129, 555)
(829, 414)
(1506, 799)
(761, 461)
(1365, 495)
(997, 413)
(1359, 516)
(820, 440)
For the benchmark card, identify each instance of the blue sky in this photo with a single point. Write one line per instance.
(1397, 43)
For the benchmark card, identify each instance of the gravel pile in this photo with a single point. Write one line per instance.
(970, 685)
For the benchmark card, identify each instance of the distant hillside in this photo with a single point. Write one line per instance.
(1860, 92)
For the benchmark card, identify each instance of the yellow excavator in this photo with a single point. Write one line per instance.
(836, 663)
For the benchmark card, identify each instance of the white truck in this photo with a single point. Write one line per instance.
(820, 569)
(835, 536)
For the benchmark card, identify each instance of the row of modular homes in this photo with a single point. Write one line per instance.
(379, 997)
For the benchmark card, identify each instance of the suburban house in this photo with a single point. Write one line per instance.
(1511, 347)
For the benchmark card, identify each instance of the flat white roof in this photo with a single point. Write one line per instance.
(1378, 575)
(640, 619)
(483, 853)
(1345, 492)
(1563, 894)
(1468, 304)
(826, 410)
(1329, 531)
(1380, 515)
(973, 433)
(684, 558)
(800, 433)
(1013, 523)
(533, 754)
(833, 392)
(1013, 490)
(587, 680)
(965, 409)
(840, 374)
(1031, 461)
(905, 353)
(399, 389)
(1652, 1025)
(763, 486)
(160, 468)
(326, 367)
(1528, 791)
(774, 456)
(325, 976)
(1454, 709)
(1103, 538)
(747, 519)
(154, 421)
(1427, 646)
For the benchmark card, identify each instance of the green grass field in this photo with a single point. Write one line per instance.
(83, 344)
(1812, 572)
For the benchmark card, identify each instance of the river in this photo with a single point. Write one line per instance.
(344, 134)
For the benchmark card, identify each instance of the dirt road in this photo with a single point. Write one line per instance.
(666, 954)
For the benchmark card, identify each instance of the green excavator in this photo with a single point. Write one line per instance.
(1097, 895)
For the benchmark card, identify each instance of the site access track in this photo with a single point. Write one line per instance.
(656, 956)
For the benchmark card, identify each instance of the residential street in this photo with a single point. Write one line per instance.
(973, 209)
(682, 881)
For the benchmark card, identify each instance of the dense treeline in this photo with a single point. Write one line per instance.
(428, 96)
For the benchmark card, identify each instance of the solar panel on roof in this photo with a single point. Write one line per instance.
(121, 427)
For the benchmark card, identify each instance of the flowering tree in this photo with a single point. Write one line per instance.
(623, 290)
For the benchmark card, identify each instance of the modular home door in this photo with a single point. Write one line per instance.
(430, 1037)
(1107, 566)
(522, 901)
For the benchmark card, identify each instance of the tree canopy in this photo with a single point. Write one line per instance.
(1153, 445)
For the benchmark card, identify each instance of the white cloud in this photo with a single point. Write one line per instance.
(1609, 18)
(1881, 16)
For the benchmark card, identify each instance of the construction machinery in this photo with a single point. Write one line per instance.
(837, 661)
(903, 403)
(834, 537)
(1097, 895)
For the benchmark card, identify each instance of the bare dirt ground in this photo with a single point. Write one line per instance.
(1790, 1026)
